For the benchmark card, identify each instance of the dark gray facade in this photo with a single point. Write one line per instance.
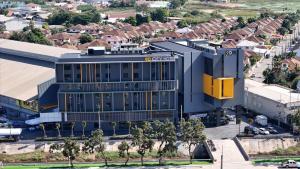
(132, 87)
(196, 60)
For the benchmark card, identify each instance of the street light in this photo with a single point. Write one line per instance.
(99, 121)
(247, 100)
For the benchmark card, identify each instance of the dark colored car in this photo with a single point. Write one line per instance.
(272, 130)
(251, 130)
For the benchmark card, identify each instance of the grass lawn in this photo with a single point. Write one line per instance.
(276, 160)
(117, 165)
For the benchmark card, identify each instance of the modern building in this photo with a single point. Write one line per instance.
(168, 80)
(210, 78)
(117, 87)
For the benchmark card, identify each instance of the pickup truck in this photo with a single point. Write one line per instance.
(290, 164)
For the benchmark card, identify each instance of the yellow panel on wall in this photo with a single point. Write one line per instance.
(228, 88)
(217, 89)
(208, 84)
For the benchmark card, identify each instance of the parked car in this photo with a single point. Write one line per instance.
(253, 75)
(272, 130)
(251, 130)
(224, 121)
(263, 131)
(290, 164)
(230, 117)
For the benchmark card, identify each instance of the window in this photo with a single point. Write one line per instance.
(67, 67)
(125, 65)
(136, 75)
(135, 65)
(125, 75)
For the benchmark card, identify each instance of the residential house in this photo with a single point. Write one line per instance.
(60, 39)
(290, 64)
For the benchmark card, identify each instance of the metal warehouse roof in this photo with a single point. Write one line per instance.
(272, 92)
(20, 80)
(34, 51)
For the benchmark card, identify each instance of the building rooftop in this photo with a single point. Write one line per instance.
(272, 92)
(20, 80)
(34, 51)
(173, 46)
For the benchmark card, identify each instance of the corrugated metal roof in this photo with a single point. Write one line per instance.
(31, 50)
(20, 80)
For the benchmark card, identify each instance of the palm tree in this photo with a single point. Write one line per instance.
(250, 121)
(42, 126)
(114, 124)
(83, 124)
(72, 129)
(129, 126)
(58, 129)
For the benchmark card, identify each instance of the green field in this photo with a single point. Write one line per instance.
(274, 5)
(117, 165)
(245, 8)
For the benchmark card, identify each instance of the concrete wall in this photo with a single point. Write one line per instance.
(270, 108)
(256, 146)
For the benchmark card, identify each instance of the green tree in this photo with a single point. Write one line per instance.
(296, 119)
(160, 14)
(85, 38)
(69, 149)
(114, 124)
(141, 138)
(124, 151)
(182, 24)
(286, 24)
(166, 135)
(269, 76)
(57, 126)
(42, 126)
(83, 125)
(191, 133)
(2, 28)
(86, 8)
(45, 26)
(142, 19)
(251, 20)
(250, 121)
(195, 12)
(282, 31)
(59, 17)
(95, 144)
(175, 4)
(131, 20)
(295, 82)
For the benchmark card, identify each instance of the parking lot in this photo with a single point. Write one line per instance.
(232, 129)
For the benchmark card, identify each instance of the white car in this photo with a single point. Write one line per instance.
(263, 131)
(290, 164)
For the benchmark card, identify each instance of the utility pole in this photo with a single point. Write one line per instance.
(222, 158)
(180, 112)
